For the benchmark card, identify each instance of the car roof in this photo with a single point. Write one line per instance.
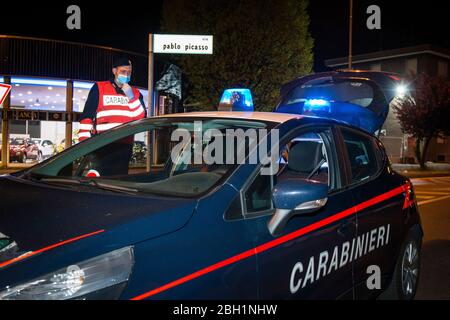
(256, 116)
(253, 115)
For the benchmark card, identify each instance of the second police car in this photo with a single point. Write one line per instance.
(311, 229)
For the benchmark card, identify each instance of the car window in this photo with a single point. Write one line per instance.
(258, 196)
(187, 165)
(303, 157)
(16, 142)
(361, 154)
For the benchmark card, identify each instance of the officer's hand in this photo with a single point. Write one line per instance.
(128, 91)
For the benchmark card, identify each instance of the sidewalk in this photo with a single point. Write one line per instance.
(413, 170)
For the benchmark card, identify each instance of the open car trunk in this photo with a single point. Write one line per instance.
(359, 98)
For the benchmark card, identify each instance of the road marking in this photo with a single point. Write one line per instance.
(417, 182)
(433, 192)
(432, 200)
(425, 197)
(430, 181)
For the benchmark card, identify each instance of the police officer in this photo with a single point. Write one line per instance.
(110, 104)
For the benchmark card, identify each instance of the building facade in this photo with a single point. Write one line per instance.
(50, 83)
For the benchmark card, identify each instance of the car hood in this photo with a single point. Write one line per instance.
(35, 216)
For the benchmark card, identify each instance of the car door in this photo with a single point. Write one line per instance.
(379, 211)
(309, 258)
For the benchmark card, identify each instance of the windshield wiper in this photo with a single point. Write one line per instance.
(110, 187)
(30, 176)
(92, 183)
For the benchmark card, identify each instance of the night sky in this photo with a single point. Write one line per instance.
(126, 24)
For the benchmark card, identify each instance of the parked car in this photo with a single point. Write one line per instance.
(46, 148)
(21, 150)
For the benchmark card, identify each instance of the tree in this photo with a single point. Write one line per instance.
(424, 113)
(258, 44)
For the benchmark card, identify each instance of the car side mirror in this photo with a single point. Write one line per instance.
(293, 197)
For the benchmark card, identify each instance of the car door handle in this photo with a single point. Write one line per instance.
(344, 229)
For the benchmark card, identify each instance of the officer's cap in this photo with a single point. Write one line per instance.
(121, 62)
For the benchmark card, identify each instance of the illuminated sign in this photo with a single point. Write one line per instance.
(40, 115)
(27, 115)
(182, 44)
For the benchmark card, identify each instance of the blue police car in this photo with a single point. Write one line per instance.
(312, 210)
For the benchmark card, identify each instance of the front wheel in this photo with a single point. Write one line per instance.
(405, 279)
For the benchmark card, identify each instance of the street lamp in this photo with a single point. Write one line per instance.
(401, 90)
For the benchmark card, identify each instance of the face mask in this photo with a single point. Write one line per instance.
(123, 79)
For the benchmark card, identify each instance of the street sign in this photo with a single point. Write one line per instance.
(182, 44)
(4, 90)
(170, 44)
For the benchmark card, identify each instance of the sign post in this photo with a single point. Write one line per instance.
(170, 44)
(4, 91)
(151, 103)
(350, 37)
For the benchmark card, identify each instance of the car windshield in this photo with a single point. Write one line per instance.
(183, 157)
(17, 142)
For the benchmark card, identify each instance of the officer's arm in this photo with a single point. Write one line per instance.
(89, 114)
(137, 103)
(141, 99)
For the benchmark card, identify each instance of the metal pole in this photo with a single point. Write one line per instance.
(69, 110)
(151, 101)
(5, 127)
(350, 40)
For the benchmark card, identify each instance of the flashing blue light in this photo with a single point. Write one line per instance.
(316, 106)
(317, 103)
(236, 100)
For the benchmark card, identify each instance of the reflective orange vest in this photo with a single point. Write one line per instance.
(113, 110)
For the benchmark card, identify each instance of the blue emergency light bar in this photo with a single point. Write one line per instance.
(236, 100)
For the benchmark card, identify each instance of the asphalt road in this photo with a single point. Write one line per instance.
(433, 196)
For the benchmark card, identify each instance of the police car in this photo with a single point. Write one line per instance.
(319, 215)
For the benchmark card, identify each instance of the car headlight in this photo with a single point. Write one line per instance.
(109, 271)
